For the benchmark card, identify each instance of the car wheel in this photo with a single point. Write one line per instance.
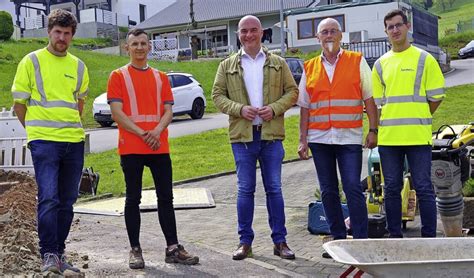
(197, 111)
(105, 124)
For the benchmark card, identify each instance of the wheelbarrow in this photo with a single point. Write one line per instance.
(406, 257)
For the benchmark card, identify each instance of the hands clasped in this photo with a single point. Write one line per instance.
(152, 139)
(249, 112)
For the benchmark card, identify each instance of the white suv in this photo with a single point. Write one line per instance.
(187, 93)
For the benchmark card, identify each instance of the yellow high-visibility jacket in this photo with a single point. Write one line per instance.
(403, 83)
(50, 87)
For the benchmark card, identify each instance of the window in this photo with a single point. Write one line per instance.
(142, 12)
(170, 79)
(181, 80)
(308, 28)
(305, 29)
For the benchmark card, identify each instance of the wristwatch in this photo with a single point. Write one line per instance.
(374, 130)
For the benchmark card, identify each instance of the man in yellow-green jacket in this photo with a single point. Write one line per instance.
(408, 86)
(255, 88)
(49, 90)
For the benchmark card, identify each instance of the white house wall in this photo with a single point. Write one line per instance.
(358, 18)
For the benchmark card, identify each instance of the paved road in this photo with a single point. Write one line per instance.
(103, 139)
(463, 73)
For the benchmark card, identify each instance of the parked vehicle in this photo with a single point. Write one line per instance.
(187, 93)
(467, 51)
(296, 68)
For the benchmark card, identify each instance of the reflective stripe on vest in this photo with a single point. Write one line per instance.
(41, 123)
(335, 102)
(135, 116)
(406, 121)
(415, 98)
(335, 117)
(20, 95)
(39, 84)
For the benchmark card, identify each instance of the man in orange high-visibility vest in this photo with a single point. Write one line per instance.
(333, 90)
(140, 98)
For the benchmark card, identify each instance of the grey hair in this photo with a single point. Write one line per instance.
(329, 20)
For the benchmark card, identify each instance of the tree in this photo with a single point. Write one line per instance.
(6, 26)
(428, 4)
(194, 39)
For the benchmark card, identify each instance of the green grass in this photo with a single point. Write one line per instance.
(460, 11)
(456, 108)
(210, 152)
(100, 66)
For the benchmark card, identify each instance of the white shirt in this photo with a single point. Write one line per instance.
(336, 136)
(253, 78)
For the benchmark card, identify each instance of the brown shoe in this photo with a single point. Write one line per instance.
(180, 256)
(283, 251)
(242, 252)
(135, 260)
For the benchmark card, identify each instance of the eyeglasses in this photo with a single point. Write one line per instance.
(246, 31)
(392, 27)
(331, 32)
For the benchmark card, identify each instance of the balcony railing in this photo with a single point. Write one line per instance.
(89, 15)
(103, 16)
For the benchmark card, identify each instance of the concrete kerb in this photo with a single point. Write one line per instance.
(451, 70)
(211, 176)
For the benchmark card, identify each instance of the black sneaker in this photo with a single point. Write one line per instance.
(180, 256)
(50, 263)
(135, 260)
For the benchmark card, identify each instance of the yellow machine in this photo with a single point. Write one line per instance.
(374, 189)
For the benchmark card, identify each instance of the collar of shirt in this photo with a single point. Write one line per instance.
(323, 58)
(260, 53)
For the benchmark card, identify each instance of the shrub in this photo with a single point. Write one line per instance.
(6, 26)
(468, 189)
(452, 43)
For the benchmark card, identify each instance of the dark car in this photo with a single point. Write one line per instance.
(467, 51)
(296, 68)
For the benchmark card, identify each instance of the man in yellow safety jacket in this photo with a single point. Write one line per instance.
(49, 90)
(408, 86)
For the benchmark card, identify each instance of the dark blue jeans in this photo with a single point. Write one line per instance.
(419, 160)
(58, 170)
(349, 160)
(270, 156)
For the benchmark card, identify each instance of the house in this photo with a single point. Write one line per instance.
(362, 25)
(214, 28)
(97, 18)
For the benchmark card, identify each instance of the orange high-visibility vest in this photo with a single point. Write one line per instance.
(338, 103)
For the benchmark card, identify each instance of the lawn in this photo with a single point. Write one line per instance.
(210, 152)
(460, 11)
(99, 66)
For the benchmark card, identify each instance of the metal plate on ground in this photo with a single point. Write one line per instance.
(184, 198)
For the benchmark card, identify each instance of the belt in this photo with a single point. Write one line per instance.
(257, 127)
